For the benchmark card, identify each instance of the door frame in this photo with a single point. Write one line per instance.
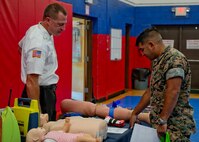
(88, 84)
(127, 44)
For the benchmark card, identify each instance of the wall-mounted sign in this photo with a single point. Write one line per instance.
(192, 44)
(168, 42)
(116, 44)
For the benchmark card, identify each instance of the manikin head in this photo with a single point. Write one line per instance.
(36, 135)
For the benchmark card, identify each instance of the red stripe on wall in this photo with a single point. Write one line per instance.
(63, 45)
(136, 60)
(109, 76)
(10, 58)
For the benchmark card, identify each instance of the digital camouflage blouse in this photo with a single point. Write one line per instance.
(170, 64)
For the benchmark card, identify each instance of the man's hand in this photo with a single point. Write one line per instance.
(133, 119)
(161, 130)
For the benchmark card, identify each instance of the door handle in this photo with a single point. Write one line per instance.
(193, 60)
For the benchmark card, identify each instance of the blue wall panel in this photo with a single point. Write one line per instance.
(105, 14)
(120, 14)
(162, 15)
(98, 12)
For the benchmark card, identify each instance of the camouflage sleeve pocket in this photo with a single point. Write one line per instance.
(175, 72)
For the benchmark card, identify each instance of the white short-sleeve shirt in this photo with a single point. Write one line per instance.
(38, 55)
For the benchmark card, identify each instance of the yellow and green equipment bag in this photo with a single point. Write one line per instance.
(10, 128)
(26, 112)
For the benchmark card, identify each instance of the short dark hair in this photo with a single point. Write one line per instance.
(53, 9)
(145, 34)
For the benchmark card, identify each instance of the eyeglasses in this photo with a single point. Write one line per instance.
(141, 48)
(141, 51)
(59, 23)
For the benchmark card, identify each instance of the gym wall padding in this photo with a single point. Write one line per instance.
(107, 75)
(16, 17)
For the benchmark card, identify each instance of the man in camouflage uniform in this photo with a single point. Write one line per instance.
(168, 94)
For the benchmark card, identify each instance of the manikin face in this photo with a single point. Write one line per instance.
(36, 135)
(56, 26)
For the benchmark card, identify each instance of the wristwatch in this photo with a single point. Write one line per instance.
(161, 121)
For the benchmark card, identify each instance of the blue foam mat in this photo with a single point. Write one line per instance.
(132, 101)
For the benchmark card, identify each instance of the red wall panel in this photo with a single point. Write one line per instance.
(108, 76)
(116, 72)
(63, 46)
(39, 8)
(9, 56)
(27, 16)
(136, 60)
(100, 58)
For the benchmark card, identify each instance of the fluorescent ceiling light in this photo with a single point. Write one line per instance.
(130, 2)
(160, 2)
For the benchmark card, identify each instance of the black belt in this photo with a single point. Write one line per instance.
(51, 87)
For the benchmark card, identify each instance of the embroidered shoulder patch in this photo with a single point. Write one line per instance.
(36, 54)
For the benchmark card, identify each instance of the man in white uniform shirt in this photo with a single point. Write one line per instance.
(39, 59)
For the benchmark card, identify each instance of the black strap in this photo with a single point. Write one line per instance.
(112, 121)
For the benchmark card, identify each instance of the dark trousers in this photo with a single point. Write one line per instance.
(47, 100)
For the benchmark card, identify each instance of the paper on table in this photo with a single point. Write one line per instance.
(144, 134)
(116, 130)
